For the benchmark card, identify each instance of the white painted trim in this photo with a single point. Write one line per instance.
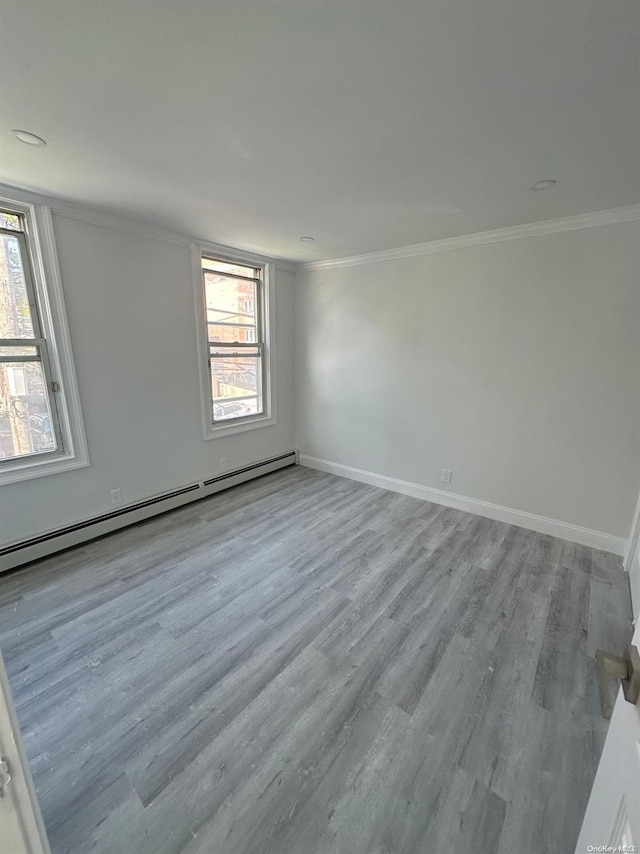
(35, 468)
(268, 418)
(94, 216)
(43, 257)
(634, 584)
(21, 827)
(634, 536)
(541, 524)
(620, 825)
(513, 232)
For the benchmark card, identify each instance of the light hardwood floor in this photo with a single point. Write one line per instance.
(308, 665)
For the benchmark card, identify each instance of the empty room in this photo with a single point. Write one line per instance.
(319, 427)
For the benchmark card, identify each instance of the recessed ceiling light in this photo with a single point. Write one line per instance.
(28, 138)
(545, 184)
(307, 239)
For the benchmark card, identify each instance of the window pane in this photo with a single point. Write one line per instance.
(15, 314)
(229, 333)
(25, 417)
(19, 350)
(236, 385)
(230, 307)
(9, 220)
(224, 267)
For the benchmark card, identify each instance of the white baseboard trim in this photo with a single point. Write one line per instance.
(541, 524)
(84, 530)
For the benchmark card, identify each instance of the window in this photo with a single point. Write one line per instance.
(29, 422)
(234, 298)
(39, 432)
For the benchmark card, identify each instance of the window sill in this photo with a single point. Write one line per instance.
(215, 432)
(41, 468)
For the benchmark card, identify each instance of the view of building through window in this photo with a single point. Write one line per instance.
(234, 327)
(25, 416)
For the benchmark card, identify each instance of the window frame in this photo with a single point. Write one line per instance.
(37, 342)
(264, 305)
(46, 299)
(255, 349)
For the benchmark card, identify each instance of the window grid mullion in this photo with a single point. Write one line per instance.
(213, 272)
(229, 345)
(29, 283)
(21, 344)
(10, 232)
(231, 324)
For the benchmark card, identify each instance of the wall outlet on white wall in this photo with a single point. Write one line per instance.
(445, 475)
(116, 496)
(223, 463)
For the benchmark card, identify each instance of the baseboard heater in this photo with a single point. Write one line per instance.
(34, 548)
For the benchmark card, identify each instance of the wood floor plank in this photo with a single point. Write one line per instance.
(310, 665)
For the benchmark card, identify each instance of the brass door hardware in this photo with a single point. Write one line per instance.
(626, 669)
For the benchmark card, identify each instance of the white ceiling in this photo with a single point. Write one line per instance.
(367, 124)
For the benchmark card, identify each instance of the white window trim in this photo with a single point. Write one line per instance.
(267, 418)
(53, 319)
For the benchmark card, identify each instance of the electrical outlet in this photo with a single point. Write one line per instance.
(116, 496)
(223, 463)
(445, 475)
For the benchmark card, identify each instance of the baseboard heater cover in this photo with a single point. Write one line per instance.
(34, 548)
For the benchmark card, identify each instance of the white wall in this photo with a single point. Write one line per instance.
(131, 314)
(515, 364)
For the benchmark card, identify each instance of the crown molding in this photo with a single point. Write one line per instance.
(95, 216)
(630, 213)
